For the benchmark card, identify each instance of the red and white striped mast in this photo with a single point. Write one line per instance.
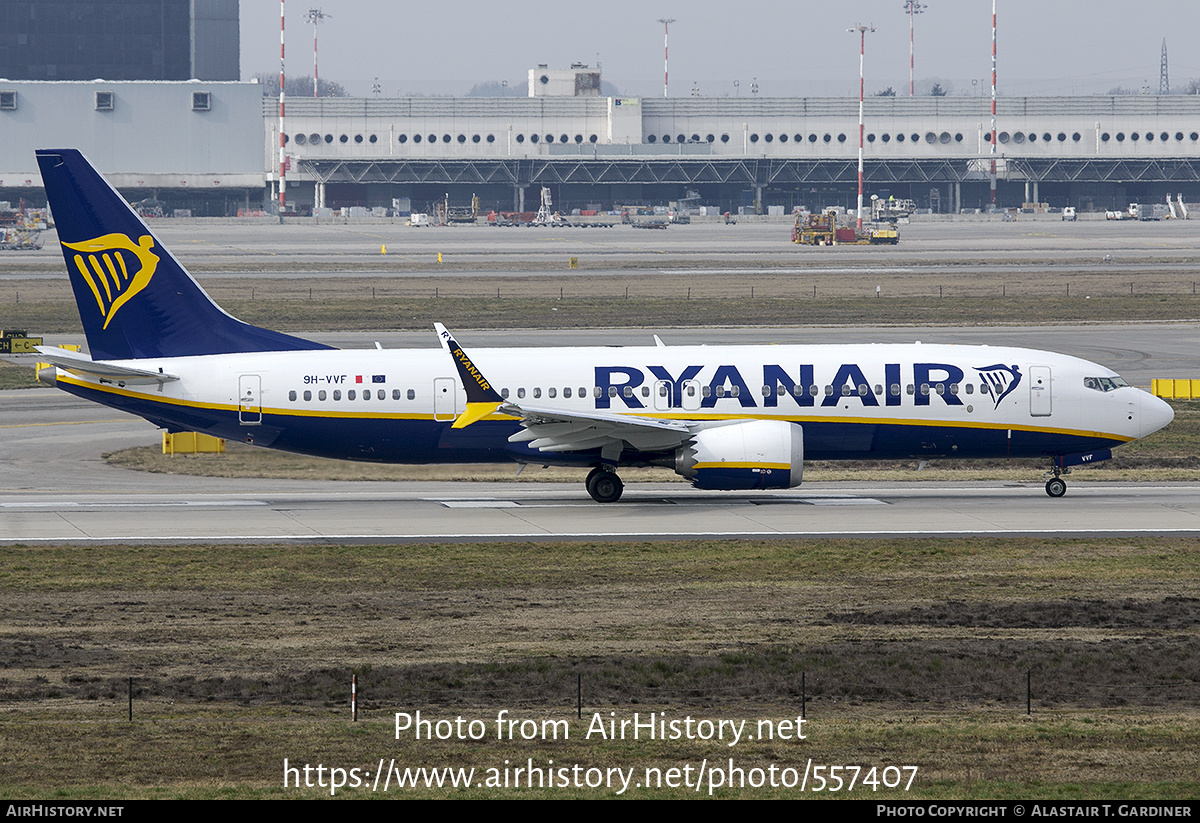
(666, 21)
(862, 47)
(913, 8)
(316, 16)
(992, 176)
(282, 183)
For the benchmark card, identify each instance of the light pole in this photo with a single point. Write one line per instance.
(913, 8)
(666, 21)
(992, 175)
(315, 16)
(282, 136)
(862, 44)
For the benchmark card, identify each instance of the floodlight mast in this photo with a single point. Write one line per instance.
(666, 21)
(282, 136)
(992, 174)
(913, 8)
(315, 16)
(862, 43)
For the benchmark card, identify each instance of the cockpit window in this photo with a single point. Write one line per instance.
(1104, 384)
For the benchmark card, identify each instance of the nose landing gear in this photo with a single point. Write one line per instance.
(1055, 485)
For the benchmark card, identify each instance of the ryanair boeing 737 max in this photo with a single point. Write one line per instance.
(725, 417)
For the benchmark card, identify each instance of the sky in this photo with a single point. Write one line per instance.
(720, 47)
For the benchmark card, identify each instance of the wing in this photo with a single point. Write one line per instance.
(555, 430)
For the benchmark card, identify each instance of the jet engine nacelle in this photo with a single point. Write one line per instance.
(758, 454)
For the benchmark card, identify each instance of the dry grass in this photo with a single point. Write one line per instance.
(912, 652)
(659, 298)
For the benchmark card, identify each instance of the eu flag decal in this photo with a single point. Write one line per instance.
(378, 378)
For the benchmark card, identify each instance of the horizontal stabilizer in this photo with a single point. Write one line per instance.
(85, 366)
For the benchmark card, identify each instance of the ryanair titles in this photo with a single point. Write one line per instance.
(799, 385)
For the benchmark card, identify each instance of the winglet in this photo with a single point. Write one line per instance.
(482, 399)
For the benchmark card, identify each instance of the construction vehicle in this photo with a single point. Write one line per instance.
(890, 209)
(546, 217)
(823, 230)
(21, 230)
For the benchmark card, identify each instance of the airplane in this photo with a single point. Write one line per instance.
(724, 417)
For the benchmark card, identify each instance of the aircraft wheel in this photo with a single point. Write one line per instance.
(604, 486)
(1056, 487)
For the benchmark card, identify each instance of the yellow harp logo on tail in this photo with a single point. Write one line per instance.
(107, 266)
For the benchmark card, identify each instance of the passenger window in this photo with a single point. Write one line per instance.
(909, 388)
(612, 391)
(567, 392)
(627, 391)
(970, 387)
(846, 390)
(828, 390)
(307, 395)
(291, 395)
(412, 395)
(551, 392)
(954, 388)
(337, 394)
(878, 389)
(863, 389)
(706, 391)
(813, 390)
(645, 391)
(925, 389)
(520, 392)
(941, 388)
(321, 394)
(366, 394)
(381, 394)
(720, 391)
(350, 395)
(734, 391)
(504, 393)
(395, 394)
(895, 390)
(537, 392)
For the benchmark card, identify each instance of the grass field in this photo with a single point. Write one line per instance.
(912, 652)
(658, 298)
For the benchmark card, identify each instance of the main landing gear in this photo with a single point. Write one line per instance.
(604, 486)
(1056, 486)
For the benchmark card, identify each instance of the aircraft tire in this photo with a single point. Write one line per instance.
(604, 486)
(1056, 487)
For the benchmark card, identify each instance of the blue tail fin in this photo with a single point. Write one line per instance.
(134, 298)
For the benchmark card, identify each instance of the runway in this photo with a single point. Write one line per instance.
(57, 488)
(422, 512)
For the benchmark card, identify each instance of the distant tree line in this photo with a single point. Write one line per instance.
(299, 86)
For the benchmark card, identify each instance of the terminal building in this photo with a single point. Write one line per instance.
(213, 147)
(1088, 152)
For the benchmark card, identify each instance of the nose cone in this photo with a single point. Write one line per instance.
(1156, 414)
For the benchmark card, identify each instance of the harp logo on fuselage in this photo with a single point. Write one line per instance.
(115, 268)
